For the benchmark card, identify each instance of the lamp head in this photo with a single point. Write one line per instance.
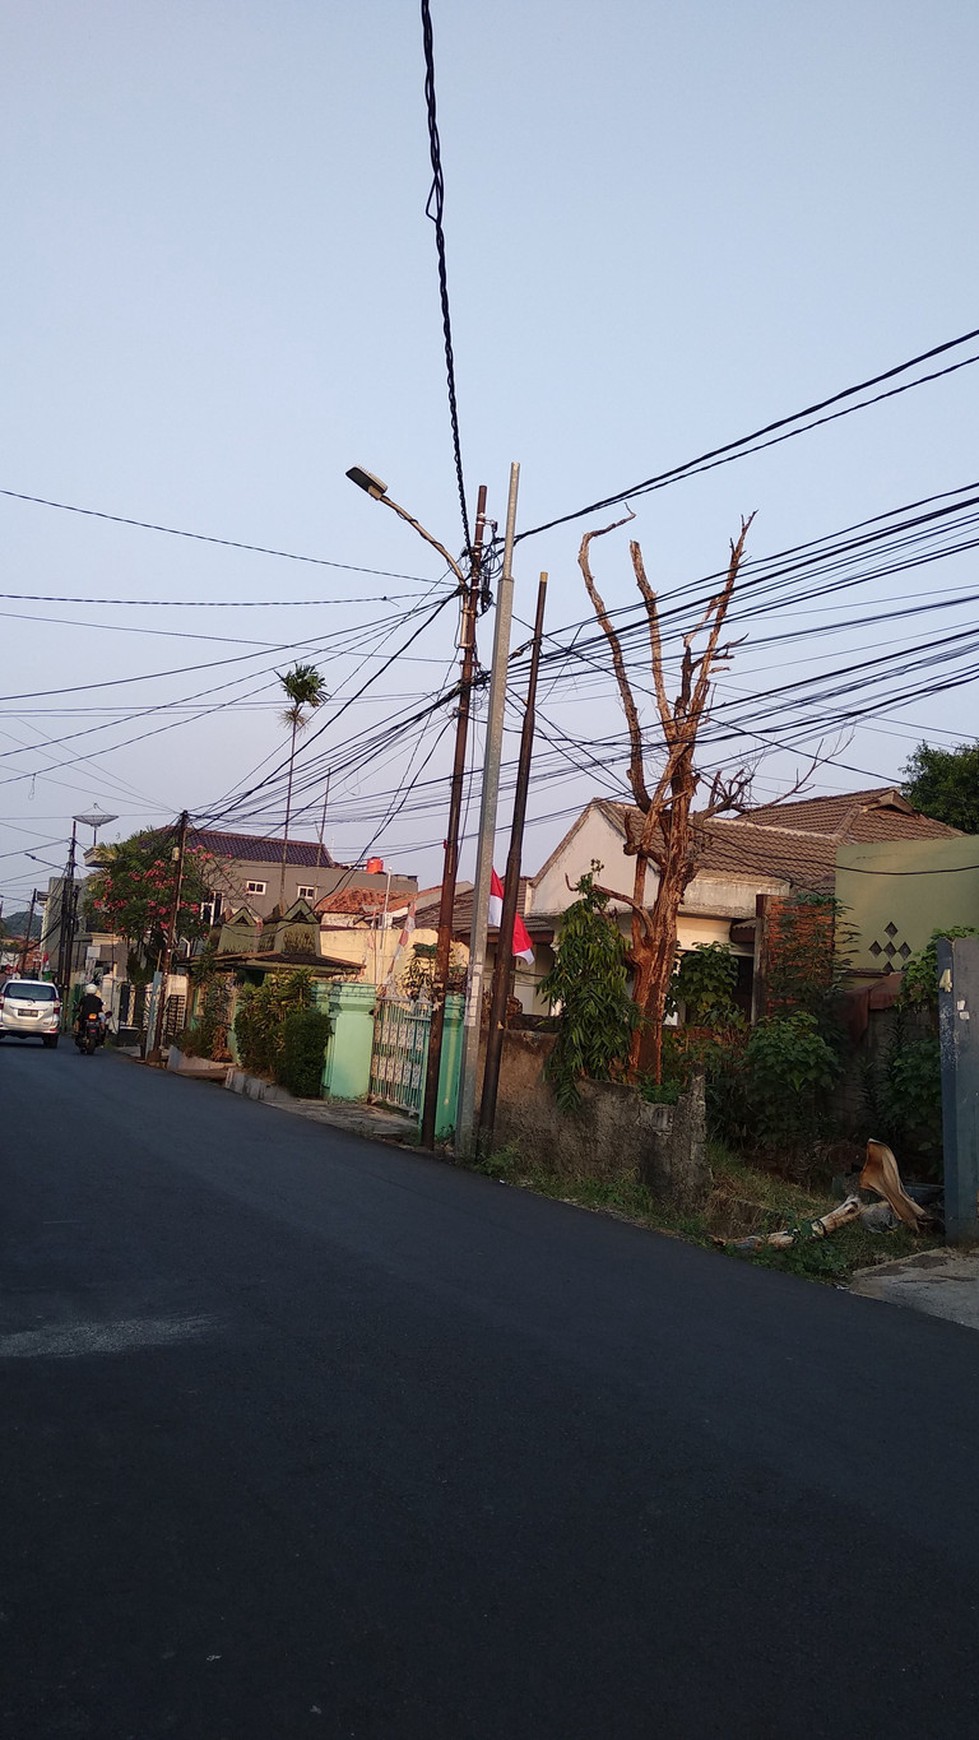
(366, 480)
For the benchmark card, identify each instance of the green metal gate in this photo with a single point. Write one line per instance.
(400, 1053)
(399, 1058)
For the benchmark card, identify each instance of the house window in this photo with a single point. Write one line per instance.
(255, 887)
(306, 892)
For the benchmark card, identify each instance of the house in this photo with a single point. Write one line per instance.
(541, 930)
(896, 895)
(248, 871)
(766, 854)
(253, 935)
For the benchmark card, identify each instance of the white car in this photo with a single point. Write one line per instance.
(30, 1008)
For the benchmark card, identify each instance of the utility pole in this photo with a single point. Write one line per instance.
(30, 927)
(503, 964)
(326, 799)
(66, 921)
(450, 866)
(155, 1055)
(487, 830)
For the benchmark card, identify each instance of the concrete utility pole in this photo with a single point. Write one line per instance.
(469, 591)
(180, 849)
(450, 863)
(504, 947)
(466, 1113)
(958, 1029)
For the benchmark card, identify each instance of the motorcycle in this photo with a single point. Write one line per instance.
(88, 1034)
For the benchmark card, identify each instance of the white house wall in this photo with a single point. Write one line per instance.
(595, 838)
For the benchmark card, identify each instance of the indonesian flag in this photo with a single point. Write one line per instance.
(407, 927)
(523, 948)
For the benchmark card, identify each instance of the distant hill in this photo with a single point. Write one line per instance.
(15, 924)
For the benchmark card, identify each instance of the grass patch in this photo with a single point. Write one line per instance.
(743, 1200)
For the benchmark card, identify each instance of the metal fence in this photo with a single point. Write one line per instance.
(400, 1053)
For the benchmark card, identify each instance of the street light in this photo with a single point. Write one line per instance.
(94, 819)
(378, 491)
(469, 590)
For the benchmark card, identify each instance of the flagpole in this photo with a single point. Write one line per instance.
(511, 889)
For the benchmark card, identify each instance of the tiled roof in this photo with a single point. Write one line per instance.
(355, 900)
(254, 849)
(427, 916)
(853, 817)
(796, 842)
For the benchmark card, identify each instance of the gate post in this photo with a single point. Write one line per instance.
(452, 1037)
(347, 1066)
(958, 1031)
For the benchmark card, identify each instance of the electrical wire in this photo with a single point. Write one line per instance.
(203, 537)
(737, 449)
(434, 209)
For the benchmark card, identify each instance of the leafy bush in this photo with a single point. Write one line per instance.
(914, 1082)
(703, 981)
(789, 1068)
(718, 1055)
(187, 1042)
(919, 989)
(589, 981)
(902, 1090)
(262, 1010)
(208, 1037)
(299, 1067)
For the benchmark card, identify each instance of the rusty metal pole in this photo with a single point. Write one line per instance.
(504, 942)
(450, 866)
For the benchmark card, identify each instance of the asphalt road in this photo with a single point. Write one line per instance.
(302, 1435)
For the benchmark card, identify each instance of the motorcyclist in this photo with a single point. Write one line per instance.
(91, 1004)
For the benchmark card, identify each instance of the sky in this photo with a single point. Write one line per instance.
(665, 227)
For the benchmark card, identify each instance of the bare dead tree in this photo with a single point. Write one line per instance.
(662, 831)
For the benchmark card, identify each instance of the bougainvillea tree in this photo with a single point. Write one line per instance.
(132, 893)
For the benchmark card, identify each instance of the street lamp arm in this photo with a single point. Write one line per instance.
(378, 491)
(420, 529)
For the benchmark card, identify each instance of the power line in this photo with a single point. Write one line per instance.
(737, 449)
(204, 538)
(434, 209)
(224, 603)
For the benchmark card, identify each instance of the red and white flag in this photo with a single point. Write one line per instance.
(407, 927)
(523, 948)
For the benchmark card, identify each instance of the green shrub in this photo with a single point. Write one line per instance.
(789, 1068)
(589, 980)
(187, 1042)
(704, 980)
(262, 1010)
(299, 1067)
(919, 989)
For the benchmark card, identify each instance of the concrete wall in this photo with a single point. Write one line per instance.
(615, 1132)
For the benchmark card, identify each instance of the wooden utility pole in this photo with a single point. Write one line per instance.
(504, 944)
(180, 849)
(450, 867)
(66, 922)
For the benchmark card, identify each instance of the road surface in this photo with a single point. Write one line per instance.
(306, 1436)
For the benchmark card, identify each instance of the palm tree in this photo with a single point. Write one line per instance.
(306, 690)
